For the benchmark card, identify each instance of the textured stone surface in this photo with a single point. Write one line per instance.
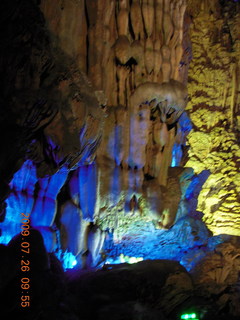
(214, 110)
(138, 80)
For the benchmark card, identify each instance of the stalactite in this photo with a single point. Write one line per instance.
(138, 54)
(181, 19)
(95, 243)
(120, 133)
(163, 135)
(105, 174)
(148, 16)
(45, 206)
(149, 55)
(110, 83)
(88, 191)
(94, 68)
(157, 59)
(139, 127)
(166, 64)
(178, 55)
(173, 63)
(123, 4)
(167, 23)
(159, 20)
(71, 227)
(136, 20)
(122, 49)
(167, 152)
(122, 75)
(122, 22)
(153, 196)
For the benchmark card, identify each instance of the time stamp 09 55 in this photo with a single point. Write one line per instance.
(25, 262)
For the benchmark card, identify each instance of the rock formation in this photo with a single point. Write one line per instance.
(214, 112)
(141, 90)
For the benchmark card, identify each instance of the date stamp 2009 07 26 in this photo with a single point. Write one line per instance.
(25, 262)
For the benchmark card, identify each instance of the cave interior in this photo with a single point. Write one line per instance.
(120, 157)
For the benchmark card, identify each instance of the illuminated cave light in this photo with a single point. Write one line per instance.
(20, 199)
(176, 155)
(67, 259)
(189, 316)
(123, 259)
(8, 231)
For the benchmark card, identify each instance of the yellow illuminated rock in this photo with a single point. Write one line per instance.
(214, 111)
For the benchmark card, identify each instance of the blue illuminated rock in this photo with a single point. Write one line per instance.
(44, 210)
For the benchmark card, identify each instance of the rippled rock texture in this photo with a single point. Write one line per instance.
(214, 109)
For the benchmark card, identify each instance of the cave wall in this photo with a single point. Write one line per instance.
(214, 109)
